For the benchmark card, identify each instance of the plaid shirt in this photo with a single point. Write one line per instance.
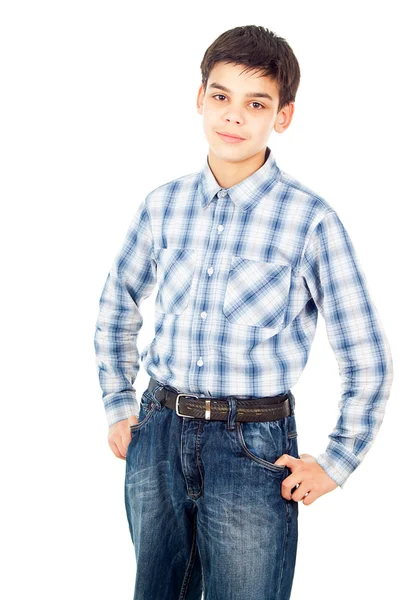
(242, 274)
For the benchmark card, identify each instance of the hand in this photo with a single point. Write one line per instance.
(120, 436)
(307, 478)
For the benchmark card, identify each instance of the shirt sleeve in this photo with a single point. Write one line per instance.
(336, 281)
(130, 280)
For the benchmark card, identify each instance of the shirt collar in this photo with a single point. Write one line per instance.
(248, 192)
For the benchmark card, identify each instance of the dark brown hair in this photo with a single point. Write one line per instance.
(258, 49)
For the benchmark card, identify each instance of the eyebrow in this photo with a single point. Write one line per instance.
(218, 86)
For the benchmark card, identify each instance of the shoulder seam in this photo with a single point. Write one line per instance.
(150, 224)
(304, 190)
(308, 237)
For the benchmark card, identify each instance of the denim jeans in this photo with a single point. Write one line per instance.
(204, 505)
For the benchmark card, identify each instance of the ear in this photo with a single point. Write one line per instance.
(284, 117)
(200, 99)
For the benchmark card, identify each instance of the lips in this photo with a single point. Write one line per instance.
(230, 135)
(229, 139)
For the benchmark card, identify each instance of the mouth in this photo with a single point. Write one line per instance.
(231, 139)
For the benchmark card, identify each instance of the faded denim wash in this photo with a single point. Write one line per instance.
(204, 505)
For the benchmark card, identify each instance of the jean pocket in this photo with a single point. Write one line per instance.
(147, 410)
(175, 273)
(256, 293)
(262, 443)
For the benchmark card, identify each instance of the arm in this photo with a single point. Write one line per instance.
(337, 284)
(130, 280)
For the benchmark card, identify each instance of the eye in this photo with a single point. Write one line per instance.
(223, 96)
(261, 105)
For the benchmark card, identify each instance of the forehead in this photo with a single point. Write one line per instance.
(240, 81)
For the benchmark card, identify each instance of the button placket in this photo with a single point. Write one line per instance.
(222, 214)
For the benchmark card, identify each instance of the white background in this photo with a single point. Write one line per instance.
(98, 107)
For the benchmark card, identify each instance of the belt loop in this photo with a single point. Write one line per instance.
(232, 412)
(153, 391)
(292, 401)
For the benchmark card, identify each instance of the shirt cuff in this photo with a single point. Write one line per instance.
(121, 408)
(337, 462)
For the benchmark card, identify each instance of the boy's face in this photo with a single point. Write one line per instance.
(233, 111)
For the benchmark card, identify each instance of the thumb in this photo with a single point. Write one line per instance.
(283, 460)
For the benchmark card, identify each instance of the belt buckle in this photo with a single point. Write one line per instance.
(207, 409)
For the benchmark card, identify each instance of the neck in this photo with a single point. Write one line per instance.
(228, 174)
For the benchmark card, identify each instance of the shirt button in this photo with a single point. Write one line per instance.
(203, 315)
(200, 362)
(222, 193)
(220, 228)
(210, 270)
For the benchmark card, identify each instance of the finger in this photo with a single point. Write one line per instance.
(114, 449)
(300, 492)
(123, 444)
(125, 440)
(288, 485)
(311, 497)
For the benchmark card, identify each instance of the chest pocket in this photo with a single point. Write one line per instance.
(256, 292)
(175, 270)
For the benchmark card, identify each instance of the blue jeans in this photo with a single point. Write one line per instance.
(204, 505)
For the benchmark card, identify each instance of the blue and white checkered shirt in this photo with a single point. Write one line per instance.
(242, 274)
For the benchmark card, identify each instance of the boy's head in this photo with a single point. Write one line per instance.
(249, 81)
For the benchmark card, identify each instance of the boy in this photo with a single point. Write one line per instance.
(245, 257)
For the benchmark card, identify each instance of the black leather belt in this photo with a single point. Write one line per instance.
(269, 408)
